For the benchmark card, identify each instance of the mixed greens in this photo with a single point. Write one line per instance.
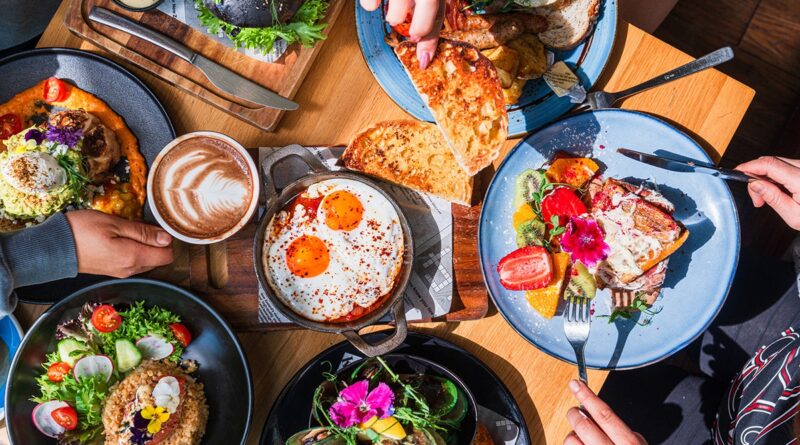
(305, 27)
(375, 404)
(95, 350)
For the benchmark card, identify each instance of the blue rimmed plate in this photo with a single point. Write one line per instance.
(700, 273)
(10, 338)
(537, 106)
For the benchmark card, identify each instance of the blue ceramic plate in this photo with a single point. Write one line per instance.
(537, 106)
(700, 273)
(10, 337)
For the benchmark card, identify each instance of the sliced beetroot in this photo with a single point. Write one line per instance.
(154, 347)
(43, 418)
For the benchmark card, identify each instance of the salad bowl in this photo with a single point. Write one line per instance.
(222, 366)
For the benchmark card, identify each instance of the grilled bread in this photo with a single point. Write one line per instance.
(413, 154)
(463, 92)
(570, 22)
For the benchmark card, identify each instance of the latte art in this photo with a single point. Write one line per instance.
(203, 188)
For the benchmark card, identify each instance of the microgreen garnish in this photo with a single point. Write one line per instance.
(76, 180)
(639, 304)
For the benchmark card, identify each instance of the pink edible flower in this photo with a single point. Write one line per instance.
(583, 240)
(356, 404)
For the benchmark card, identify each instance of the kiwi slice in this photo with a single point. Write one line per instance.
(531, 233)
(528, 184)
(581, 283)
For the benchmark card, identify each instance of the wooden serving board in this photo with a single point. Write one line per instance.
(283, 77)
(237, 300)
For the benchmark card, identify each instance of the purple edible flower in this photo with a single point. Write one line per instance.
(34, 134)
(63, 135)
(357, 404)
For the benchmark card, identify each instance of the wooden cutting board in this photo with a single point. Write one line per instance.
(237, 300)
(283, 77)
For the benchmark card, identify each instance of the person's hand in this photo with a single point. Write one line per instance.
(426, 22)
(601, 426)
(109, 245)
(785, 172)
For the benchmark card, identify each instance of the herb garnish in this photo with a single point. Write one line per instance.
(639, 304)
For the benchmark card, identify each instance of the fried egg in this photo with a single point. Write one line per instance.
(338, 246)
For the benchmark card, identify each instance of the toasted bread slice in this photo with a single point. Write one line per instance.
(413, 154)
(570, 22)
(463, 92)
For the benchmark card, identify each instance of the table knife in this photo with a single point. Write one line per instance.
(223, 78)
(687, 166)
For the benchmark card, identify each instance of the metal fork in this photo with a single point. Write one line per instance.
(577, 322)
(600, 99)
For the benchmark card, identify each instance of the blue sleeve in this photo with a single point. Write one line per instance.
(35, 255)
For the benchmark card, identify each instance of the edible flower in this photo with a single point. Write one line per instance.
(356, 404)
(63, 135)
(583, 240)
(157, 416)
(35, 135)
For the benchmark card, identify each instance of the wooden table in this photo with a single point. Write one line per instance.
(340, 96)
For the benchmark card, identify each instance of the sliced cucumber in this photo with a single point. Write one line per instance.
(70, 350)
(128, 356)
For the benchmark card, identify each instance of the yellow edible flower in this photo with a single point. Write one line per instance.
(157, 416)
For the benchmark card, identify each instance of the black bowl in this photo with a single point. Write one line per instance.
(223, 366)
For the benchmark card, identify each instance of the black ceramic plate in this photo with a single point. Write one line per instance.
(120, 89)
(223, 371)
(290, 413)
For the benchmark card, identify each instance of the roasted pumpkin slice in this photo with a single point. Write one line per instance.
(572, 171)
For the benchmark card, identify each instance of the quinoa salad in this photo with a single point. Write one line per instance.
(117, 377)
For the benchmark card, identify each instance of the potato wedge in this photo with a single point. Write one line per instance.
(513, 93)
(504, 58)
(532, 56)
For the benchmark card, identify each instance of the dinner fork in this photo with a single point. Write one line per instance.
(601, 99)
(577, 322)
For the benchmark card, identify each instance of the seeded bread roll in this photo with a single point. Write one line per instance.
(463, 92)
(412, 154)
(570, 22)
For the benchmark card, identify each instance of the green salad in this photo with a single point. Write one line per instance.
(96, 350)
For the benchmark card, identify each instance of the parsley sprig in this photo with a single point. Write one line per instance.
(639, 304)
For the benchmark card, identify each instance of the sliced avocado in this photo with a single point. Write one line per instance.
(581, 283)
(528, 184)
(531, 233)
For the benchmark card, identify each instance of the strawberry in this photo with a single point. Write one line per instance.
(563, 203)
(527, 268)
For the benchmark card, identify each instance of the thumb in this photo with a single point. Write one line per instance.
(143, 233)
(783, 204)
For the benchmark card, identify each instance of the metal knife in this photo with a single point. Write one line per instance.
(687, 166)
(223, 78)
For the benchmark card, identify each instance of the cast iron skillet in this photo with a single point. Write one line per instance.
(223, 371)
(277, 200)
(121, 90)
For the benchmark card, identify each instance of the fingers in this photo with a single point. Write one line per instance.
(572, 439)
(764, 192)
(585, 429)
(141, 257)
(370, 5)
(601, 413)
(397, 11)
(430, 20)
(143, 233)
(777, 169)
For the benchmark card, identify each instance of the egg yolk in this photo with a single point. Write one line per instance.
(342, 210)
(307, 256)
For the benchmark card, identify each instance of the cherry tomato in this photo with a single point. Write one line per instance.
(56, 371)
(67, 417)
(10, 124)
(182, 333)
(106, 319)
(527, 268)
(55, 90)
(563, 203)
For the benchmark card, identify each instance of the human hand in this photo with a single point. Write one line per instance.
(109, 245)
(601, 426)
(785, 172)
(426, 22)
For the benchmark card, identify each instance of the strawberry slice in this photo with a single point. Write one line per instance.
(527, 268)
(563, 203)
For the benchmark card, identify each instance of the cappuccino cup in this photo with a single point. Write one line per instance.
(203, 187)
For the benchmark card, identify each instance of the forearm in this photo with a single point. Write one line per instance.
(36, 255)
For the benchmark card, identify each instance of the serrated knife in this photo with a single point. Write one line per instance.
(688, 166)
(223, 78)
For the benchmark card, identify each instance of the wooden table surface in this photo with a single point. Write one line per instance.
(339, 97)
